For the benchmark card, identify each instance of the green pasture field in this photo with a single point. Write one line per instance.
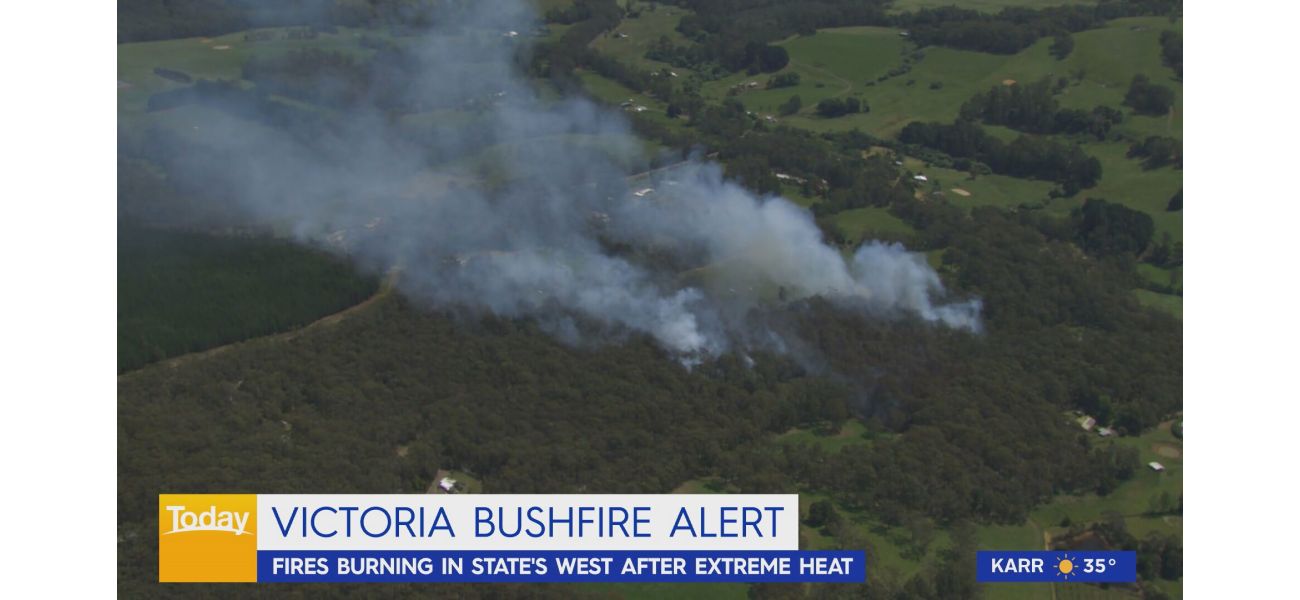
(1132, 499)
(1170, 303)
(981, 190)
(987, 6)
(832, 63)
(872, 221)
(1109, 57)
(614, 93)
(1162, 277)
(202, 58)
(1098, 72)
(1141, 526)
(796, 195)
(855, 54)
(899, 100)
(1124, 180)
(654, 21)
(852, 432)
(1166, 302)
(608, 90)
(1106, 59)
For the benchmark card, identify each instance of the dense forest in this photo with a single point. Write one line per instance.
(180, 292)
(977, 420)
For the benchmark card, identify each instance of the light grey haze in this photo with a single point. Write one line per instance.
(703, 250)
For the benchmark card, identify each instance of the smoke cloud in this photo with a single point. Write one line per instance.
(525, 209)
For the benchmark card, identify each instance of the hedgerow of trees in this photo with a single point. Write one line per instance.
(1026, 156)
(1033, 108)
(1147, 98)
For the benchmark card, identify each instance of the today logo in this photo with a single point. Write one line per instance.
(211, 520)
(207, 537)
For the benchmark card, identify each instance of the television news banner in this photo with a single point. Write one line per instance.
(521, 538)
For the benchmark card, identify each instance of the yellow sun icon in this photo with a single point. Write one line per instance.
(1065, 567)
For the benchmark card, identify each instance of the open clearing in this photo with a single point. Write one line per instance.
(987, 6)
(852, 432)
(635, 36)
(1102, 64)
(1165, 302)
(1132, 499)
(1109, 57)
(1167, 450)
(982, 190)
(832, 63)
(858, 224)
(1124, 180)
(211, 58)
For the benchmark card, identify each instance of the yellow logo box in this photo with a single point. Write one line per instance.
(207, 538)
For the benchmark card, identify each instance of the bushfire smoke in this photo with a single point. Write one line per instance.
(523, 206)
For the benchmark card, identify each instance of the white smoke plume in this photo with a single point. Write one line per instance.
(558, 233)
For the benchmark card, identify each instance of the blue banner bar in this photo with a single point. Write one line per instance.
(1057, 565)
(518, 566)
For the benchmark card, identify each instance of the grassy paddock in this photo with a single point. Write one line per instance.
(654, 21)
(1132, 499)
(1109, 57)
(869, 222)
(988, 6)
(1125, 181)
(832, 63)
(1165, 302)
(852, 432)
(836, 62)
(981, 190)
(218, 57)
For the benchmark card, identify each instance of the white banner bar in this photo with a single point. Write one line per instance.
(528, 522)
